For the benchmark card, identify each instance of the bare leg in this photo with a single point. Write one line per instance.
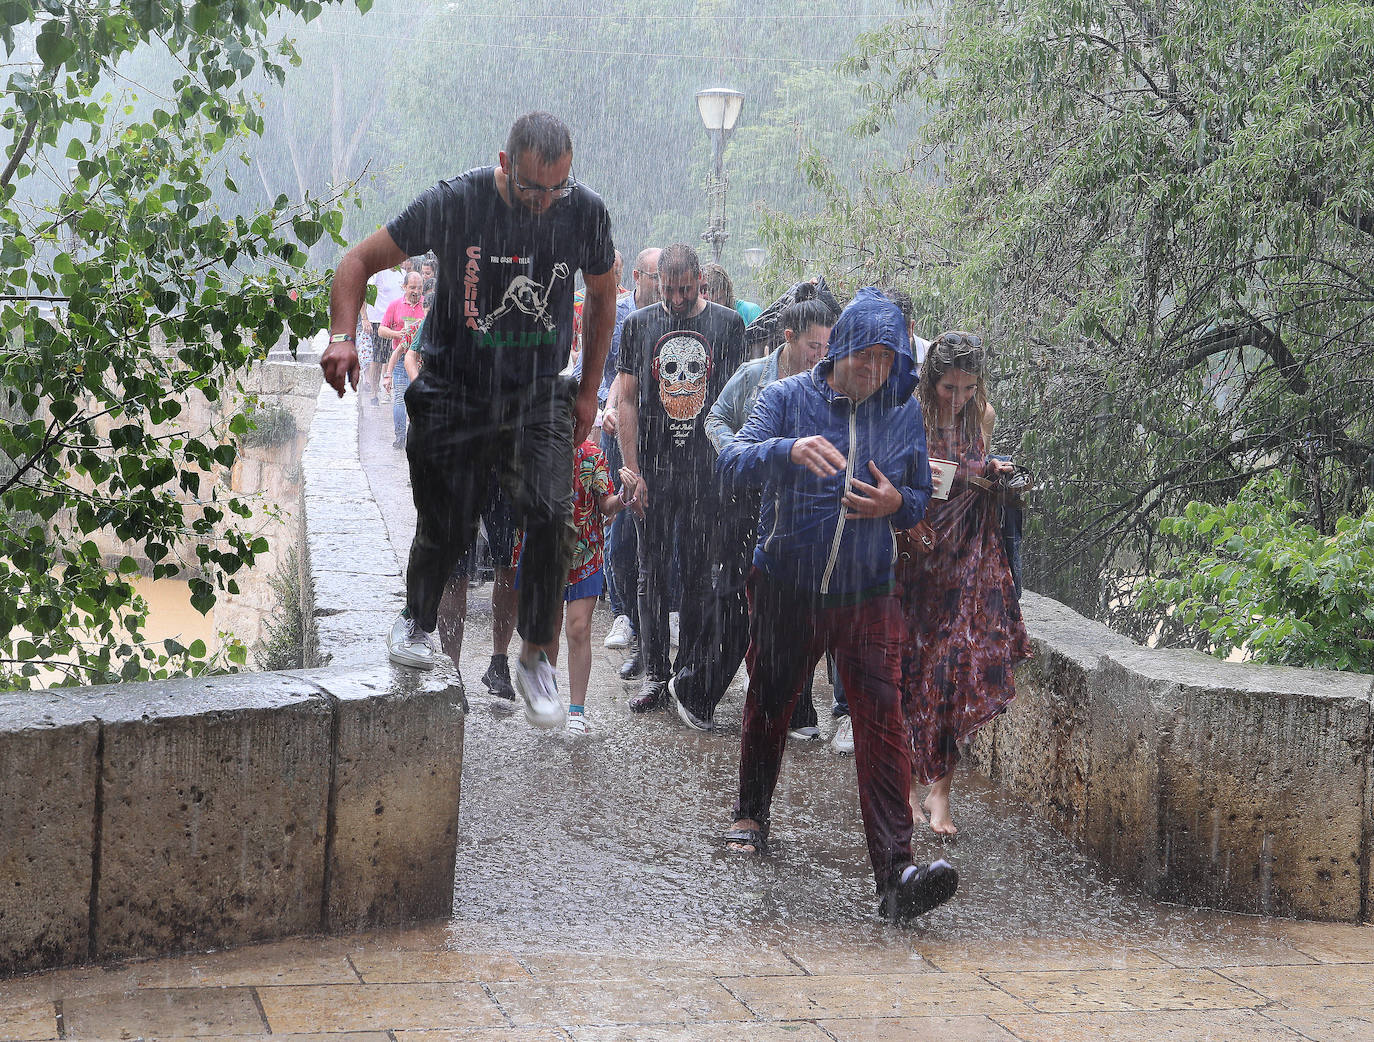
(453, 611)
(504, 600)
(579, 616)
(937, 803)
(918, 816)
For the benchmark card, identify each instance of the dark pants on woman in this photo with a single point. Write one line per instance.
(789, 630)
(458, 437)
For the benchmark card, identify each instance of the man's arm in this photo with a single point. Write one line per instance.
(598, 322)
(375, 253)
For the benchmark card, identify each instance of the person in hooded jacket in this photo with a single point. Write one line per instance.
(840, 454)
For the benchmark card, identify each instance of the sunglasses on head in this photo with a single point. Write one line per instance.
(956, 340)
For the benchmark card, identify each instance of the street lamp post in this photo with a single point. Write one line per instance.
(720, 108)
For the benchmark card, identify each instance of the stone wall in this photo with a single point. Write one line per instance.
(1204, 782)
(149, 818)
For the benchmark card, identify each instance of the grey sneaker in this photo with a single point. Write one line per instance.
(688, 717)
(408, 645)
(805, 734)
(539, 689)
(843, 742)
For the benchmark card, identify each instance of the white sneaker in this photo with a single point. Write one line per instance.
(843, 742)
(539, 688)
(805, 734)
(577, 724)
(622, 633)
(672, 628)
(408, 645)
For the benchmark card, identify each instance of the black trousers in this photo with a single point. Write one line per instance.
(709, 661)
(682, 515)
(458, 438)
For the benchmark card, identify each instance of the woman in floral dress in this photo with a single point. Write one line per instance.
(965, 632)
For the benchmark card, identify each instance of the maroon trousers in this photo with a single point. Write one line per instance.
(788, 632)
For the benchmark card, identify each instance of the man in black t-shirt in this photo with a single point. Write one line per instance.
(675, 357)
(509, 240)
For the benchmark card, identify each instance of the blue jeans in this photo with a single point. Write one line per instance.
(400, 380)
(622, 547)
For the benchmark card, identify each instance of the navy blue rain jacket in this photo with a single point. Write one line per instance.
(804, 540)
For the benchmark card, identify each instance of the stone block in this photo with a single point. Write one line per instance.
(48, 751)
(1129, 717)
(398, 765)
(215, 796)
(1041, 742)
(1262, 789)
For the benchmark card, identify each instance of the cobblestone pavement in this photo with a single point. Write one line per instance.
(593, 903)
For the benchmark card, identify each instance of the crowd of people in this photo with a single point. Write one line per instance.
(833, 497)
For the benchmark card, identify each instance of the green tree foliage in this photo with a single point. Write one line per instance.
(123, 292)
(623, 74)
(1255, 576)
(1163, 217)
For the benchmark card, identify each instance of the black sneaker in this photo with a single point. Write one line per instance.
(922, 888)
(696, 723)
(652, 694)
(497, 679)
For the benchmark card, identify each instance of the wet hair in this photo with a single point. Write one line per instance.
(902, 299)
(540, 133)
(679, 258)
(805, 311)
(942, 356)
(718, 285)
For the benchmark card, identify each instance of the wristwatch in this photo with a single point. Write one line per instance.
(339, 338)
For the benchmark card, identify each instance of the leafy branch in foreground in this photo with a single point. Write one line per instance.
(127, 297)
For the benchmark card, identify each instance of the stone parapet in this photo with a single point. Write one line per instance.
(1205, 782)
(200, 813)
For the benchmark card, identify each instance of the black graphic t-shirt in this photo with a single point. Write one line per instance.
(503, 302)
(682, 365)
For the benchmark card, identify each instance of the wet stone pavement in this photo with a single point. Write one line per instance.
(593, 903)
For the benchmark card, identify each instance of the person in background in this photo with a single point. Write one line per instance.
(399, 327)
(388, 285)
(963, 619)
(717, 287)
(840, 455)
(622, 541)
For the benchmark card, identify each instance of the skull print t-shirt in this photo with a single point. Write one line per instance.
(503, 302)
(682, 364)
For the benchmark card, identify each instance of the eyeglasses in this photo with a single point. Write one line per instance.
(652, 276)
(956, 340)
(557, 191)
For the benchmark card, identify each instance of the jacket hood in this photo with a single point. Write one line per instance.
(872, 318)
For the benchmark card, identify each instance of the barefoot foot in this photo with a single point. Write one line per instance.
(937, 805)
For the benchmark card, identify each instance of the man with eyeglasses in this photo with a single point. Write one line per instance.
(508, 240)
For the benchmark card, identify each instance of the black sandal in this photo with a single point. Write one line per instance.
(756, 838)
